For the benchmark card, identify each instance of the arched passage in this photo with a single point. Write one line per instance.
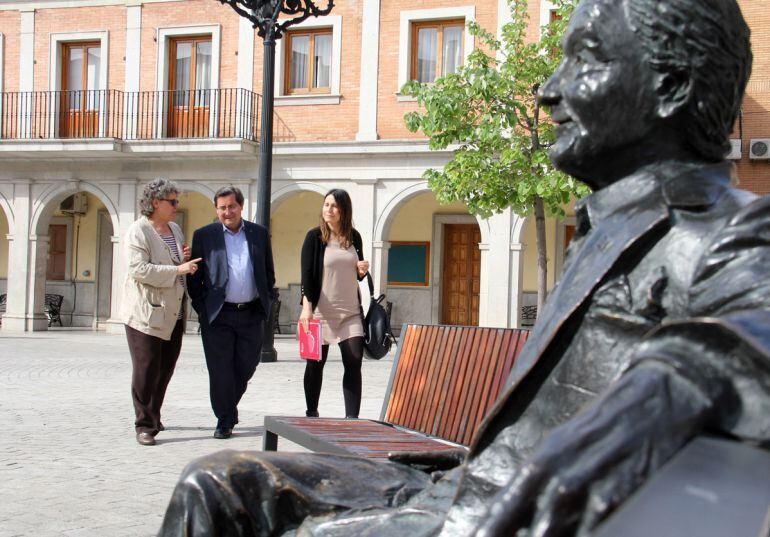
(293, 212)
(5, 232)
(430, 258)
(72, 226)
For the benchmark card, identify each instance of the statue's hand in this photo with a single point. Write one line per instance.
(591, 464)
(429, 461)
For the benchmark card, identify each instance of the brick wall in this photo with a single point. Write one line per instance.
(84, 19)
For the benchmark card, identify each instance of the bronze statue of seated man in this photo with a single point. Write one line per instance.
(658, 330)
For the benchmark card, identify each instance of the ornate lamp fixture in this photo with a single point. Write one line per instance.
(264, 13)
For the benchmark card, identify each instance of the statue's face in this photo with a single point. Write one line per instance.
(602, 95)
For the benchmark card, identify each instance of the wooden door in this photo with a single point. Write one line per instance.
(460, 281)
(80, 99)
(190, 87)
(57, 252)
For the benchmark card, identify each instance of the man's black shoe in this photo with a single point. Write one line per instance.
(223, 433)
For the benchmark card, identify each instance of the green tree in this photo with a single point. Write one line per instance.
(489, 111)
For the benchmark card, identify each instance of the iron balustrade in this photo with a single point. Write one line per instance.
(141, 115)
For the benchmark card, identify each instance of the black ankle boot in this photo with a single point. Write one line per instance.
(311, 413)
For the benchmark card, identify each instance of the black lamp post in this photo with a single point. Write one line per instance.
(263, 14)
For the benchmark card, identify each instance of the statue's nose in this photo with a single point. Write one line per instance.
(548, 94)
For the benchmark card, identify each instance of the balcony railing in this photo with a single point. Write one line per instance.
(142, 115)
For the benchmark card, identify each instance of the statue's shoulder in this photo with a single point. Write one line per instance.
(732, 272)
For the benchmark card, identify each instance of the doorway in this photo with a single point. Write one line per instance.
(461, 275)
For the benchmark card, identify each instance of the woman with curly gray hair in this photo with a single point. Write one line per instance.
(153, 302)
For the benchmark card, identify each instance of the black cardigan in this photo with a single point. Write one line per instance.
(312, 260)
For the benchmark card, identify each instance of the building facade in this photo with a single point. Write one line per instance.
(101, 96)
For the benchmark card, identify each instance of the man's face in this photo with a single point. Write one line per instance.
(229, 212)
(602, 95)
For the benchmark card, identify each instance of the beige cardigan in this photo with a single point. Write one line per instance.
(152, 292)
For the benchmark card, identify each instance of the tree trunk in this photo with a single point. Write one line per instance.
(542, 266)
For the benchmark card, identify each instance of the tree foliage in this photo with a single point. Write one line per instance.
(489, 109)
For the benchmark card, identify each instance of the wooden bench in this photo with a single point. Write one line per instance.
(443, 381)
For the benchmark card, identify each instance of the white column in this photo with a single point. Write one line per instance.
(364, 217)
(244, 105)
(133, 57)
(245, 75)
(20, 316)
(370, 52)
(503, 16)
(379, 263)
(517, 281)
(26, 70)
(128, 211)
(484, 281)
(2, 73)
(495, 272)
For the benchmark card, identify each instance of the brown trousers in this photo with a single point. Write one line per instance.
(153, 361)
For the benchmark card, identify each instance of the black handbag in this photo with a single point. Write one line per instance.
(378, 337)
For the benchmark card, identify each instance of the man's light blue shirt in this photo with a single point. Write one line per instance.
(240, 273)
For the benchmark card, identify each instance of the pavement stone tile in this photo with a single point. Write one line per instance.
(69, 462)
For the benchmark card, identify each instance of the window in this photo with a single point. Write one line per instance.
(437, 49)
(308, 61)
(408, 263)
(190, 85)
(81, 65)
(444, 45)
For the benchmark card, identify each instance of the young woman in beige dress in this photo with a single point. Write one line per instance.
(332, 264)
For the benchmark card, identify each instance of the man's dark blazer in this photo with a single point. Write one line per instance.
(207, 287)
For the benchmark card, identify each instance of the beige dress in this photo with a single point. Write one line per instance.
(338, 306)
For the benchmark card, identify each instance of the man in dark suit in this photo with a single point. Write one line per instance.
(231, 292)
(657, 331)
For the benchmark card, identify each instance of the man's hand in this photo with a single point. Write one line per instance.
(591, 464)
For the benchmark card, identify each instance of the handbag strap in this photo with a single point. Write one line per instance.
(371, 284)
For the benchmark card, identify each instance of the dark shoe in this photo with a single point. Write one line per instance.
(223, 433)
(351, 417)
(161, 427)
(146, 439)
(311, 413)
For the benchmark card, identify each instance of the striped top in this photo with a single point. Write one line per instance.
(171, 243)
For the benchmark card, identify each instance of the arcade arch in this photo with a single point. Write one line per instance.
(293, 213)
(432, 265)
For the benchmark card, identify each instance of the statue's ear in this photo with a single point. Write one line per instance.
(674, 89)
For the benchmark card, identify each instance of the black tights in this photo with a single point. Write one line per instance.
(352, 354)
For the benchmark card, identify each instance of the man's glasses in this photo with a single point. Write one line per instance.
(174, 203)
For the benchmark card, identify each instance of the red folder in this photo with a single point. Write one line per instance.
(310, 341)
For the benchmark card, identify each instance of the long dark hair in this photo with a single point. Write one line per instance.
(342, 198)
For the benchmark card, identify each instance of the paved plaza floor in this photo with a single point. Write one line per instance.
(69, 462)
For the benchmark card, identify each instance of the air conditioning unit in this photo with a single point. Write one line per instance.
(735, 149)
(75, 204)
(759, 149)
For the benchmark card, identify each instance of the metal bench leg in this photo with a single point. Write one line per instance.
(270, 441)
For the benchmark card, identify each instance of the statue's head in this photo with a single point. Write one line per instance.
(646, 80)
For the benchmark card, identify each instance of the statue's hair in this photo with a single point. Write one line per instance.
(707, 41)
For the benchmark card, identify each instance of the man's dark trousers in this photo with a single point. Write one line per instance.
(232, 345)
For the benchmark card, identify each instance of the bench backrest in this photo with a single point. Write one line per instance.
(446, 378)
